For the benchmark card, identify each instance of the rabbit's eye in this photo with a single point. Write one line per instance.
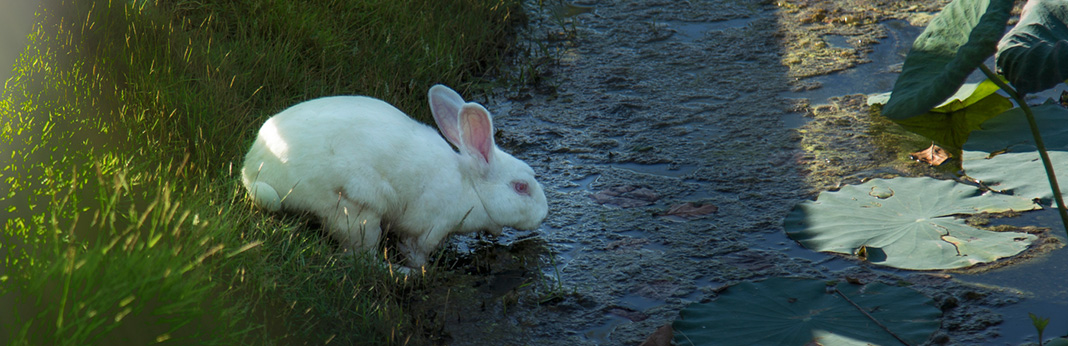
(520, 187)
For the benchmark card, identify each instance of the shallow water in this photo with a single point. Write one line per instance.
(631, 83)
(1039, 281)
(662, 169)
(690, 31)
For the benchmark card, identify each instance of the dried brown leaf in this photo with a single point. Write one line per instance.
(691, 210)
(661, 337)
(933, 155)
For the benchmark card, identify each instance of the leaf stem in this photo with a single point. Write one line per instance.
(1038, 142)
(872, 318)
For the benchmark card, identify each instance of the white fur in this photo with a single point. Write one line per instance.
(363, 166)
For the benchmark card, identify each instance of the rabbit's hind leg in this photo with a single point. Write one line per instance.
(264, 196)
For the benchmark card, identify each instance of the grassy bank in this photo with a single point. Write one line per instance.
(124, 121)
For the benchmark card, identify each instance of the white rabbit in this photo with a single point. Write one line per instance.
(363, 166)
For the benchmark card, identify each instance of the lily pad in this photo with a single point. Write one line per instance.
(956, 41)
(792, 311)
(907, 223)
(1032, 55)
(1003, 155)
(1057, 342)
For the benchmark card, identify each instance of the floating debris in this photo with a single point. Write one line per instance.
(691, 210)
(933, 155)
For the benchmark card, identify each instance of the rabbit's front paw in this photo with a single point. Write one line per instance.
(413, 252)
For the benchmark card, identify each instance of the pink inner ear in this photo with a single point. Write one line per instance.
(445, 105)
(477, 131)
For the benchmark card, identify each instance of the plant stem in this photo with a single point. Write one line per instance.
(872, 318)
(1038, 143)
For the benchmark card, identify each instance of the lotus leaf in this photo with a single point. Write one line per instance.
(967, 95)
(910, 227)
(951, 128)
(1003, 155)
(793, 311)
(1034, 54)
(949, 123)
(956, 41)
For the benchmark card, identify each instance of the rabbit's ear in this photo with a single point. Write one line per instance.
(445, 105)
(477, 132)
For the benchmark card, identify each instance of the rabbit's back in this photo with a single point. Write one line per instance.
(359, 147)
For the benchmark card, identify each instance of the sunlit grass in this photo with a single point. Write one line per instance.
(139, 278)
(119, 133)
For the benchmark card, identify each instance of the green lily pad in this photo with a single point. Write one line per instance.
(913, 227)
(1057, 342)
(1003, 155)
(956, 41)
(792, 311)
(1032, 55)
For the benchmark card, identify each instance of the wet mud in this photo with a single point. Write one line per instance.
(714, 106)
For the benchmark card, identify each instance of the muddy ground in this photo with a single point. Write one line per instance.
(651, 104)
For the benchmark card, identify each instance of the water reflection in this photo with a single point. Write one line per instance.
(691, 31)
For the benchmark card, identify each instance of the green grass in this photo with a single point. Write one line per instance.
(120, 132)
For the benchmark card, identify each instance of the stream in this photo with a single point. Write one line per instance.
(654, 104)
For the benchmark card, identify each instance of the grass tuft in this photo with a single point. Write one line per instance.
(124, 121)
